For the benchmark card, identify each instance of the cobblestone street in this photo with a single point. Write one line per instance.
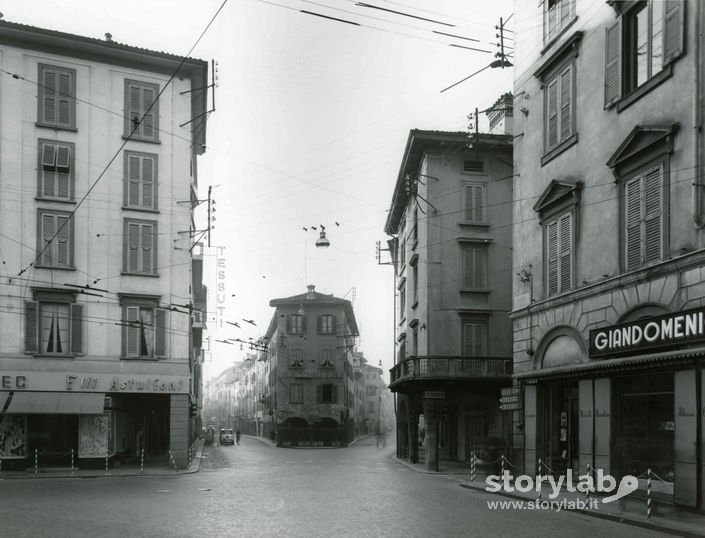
(256, 490)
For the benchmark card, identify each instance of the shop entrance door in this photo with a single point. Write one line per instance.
(561, 411)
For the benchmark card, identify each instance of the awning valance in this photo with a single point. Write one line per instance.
(54, 403)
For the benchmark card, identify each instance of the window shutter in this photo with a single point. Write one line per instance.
(652, 215)
(134, 112)
(133, 180)
(30, 327)
(48, 155)
(77, 329)
(674, 11)
(48, 232)
(49, 104)
(303, 324)
(566, 103)
(133, 243)
(147, 249)
(62, 241)
(552, 115)
(633, 223)
(334, 328)
(319, 393)
(160, 332)
(64, 99)
(566, 252)
(63, 186)
(132, 332)
(319, 324)
(613, 63)
(147, 181)
(552, 258)
(148, 120)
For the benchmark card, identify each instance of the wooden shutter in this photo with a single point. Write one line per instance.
(63, 243)
(147, 126)
(303, 324)
(133, 180)
(334, 327)
(48, 225)
(613, 63)
(552, 258)
(652, 215)
(633, 220)
(475, 203)
(77, 329)
(148, 241)
(64, 99)
(48, 155)
(566, 104)
(147, 182)
(30, 327)
(566, 252)
(319, 324)
(674, 12)
(49, 96)
(552, 114)
(133, 245)
(132, 331)
(134, 110)
(159, 332)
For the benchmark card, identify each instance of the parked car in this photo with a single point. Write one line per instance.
(226, 437)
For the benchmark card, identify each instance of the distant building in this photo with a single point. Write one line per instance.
(100, 145)
(451, 247)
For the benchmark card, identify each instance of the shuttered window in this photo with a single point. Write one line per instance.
(140, 247)
(55, 239)
(559, 107)
(643, 220)
(559, 254)
(296, 324)
(475, 338)
(144, 331)
(57, 97)
(140, 180)
(326, 324)
(638, 46)
(141, 110)
(475, 202)
(56, 175)
(53, 328)
(296, 393)
(474, 267)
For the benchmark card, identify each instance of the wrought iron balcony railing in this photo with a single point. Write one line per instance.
(445, 367)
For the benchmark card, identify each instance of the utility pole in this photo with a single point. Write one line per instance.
(209, 215)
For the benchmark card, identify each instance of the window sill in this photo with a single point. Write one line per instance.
(55, 127)
(560, 148)
(474, 290)
(560, 34)
(127, 273)
(149, 359)
(57, 200)
(54, 267)
(134, 138)
(52, 356)
(140, 209)
(472, 223)
(636, 94)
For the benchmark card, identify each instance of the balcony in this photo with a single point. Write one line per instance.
(445, 368)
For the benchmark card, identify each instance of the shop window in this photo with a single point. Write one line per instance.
(560, 427)
(640, 48)
(645, 425)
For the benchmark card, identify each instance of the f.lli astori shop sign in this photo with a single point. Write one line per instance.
(649, 334)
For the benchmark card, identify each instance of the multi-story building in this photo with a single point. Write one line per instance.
(451, 248)
(309, 389)
(609, 240)
(99, 147)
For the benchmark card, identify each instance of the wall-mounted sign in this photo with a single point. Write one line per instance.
(649, 334)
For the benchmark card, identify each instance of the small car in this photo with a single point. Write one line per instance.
(226, 437)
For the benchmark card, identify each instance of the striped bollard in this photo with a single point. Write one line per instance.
(539, 466)
(472, 466)
(502, 466)
(648, 494)
(36, 461)
(72, 461)
(142, 462)
(587, 489)
(0, 465)
(189, 457)
(106, 464)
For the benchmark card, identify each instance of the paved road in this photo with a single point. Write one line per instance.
(254, 490)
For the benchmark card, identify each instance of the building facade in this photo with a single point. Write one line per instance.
(96, 357)
(451, 250)
(608, 241)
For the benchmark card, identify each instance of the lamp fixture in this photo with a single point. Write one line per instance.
(322, 241)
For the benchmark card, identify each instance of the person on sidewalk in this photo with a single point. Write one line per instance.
(237, 437)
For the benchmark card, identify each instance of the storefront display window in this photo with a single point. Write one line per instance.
(645, 425)
(561, 427)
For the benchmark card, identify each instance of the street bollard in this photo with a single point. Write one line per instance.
(648, 494)
(36, 461)
(538, 479)
(473, 464)
(189, 456)
(587, 489)
(142, 462)
(72, 461)
(106, 464)
(173, 462)
(502, 466)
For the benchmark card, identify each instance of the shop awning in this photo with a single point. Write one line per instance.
(56, 403)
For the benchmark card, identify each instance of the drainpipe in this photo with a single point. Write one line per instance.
(698, 185)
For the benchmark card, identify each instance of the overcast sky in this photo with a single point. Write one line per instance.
(311, 120)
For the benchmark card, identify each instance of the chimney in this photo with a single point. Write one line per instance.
(311, 291)
(501, 115)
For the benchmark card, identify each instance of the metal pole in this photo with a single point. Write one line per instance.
(106, 464)
(538, 479)
(142, 462)
(472, 466)
(72, 461)
(36, 461)
(648, 494)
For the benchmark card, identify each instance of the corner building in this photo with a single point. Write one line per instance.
(97, 183)
(609, 214)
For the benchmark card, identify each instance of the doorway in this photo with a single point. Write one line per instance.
(560, 428)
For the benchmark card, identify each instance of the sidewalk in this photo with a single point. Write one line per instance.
(150, 467)
(632, 511)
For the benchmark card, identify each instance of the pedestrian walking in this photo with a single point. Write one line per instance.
(237, 436)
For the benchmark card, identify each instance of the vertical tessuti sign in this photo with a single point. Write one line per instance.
(220, 265)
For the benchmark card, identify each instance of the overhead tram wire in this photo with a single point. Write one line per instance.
(136, 124)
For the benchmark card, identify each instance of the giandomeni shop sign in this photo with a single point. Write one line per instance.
(649, 334)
